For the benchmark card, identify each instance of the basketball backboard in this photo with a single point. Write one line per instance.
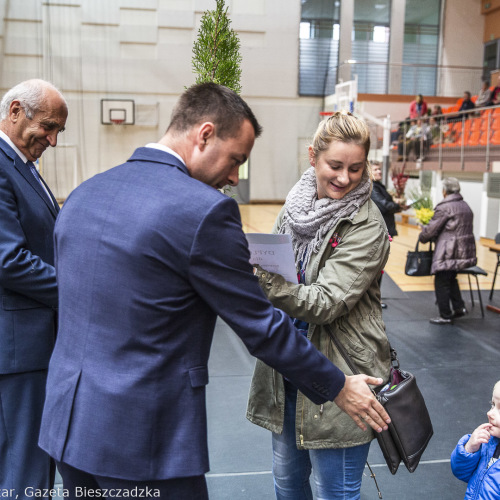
(117, 111)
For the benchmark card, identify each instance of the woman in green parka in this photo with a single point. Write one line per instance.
(341, 245)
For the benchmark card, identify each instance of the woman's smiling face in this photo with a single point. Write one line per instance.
(339, 168)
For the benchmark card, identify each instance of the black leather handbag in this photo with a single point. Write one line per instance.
(410, 429)
(418, 263)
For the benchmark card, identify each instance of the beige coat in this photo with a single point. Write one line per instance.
(343, 291)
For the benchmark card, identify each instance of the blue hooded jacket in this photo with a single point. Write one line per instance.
(483, 483)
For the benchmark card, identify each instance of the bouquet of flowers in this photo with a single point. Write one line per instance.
(399, 180)
(422, 205)
(424, 215)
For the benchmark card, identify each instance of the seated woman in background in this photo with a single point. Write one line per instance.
(437, 110)
(484, 96)
(341, 245)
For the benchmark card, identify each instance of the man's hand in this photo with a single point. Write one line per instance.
(357, 400)
(480, 436)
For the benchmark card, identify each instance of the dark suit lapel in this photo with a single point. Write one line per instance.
(25, 171)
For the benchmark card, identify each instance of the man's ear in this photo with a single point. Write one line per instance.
(206, 132)
(312, 157)
(15, 110)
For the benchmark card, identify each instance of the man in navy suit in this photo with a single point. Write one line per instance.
(148, 255)
(32, 114)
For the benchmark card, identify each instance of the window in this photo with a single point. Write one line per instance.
(370, 44)
(318, 46)
(421, 41)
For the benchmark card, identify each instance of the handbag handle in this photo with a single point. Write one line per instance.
(347, 358)
(430, 246)
(342, 351)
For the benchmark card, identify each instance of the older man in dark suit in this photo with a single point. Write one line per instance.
(148, 254)
(32, 114)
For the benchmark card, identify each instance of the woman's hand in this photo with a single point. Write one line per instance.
(478, 437)
(358, 401)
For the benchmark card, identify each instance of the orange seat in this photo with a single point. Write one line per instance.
(495, 138)
(484, 123)
(474, 138)
(476, 124)
(483, 139)
(495, 124)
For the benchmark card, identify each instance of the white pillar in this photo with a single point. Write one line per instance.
(396, 45)
(345, 39)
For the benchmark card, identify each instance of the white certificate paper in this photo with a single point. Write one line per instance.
(274, 253)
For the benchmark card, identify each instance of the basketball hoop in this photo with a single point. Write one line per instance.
(325, 113)
(117, 112)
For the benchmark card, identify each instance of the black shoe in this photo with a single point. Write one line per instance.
(383, 305)
(441, 321)
(460, 312)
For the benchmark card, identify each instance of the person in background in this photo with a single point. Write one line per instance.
(32, 115)
(467, 104)
(437, 110)
(341, 245)
(495, 94)
(402, 142)
(451, 228)
(148, 254)
(387, 206)
(484, 96)
(436, 129)
(475, 459)
(418, 139)
(418, 107)
(384, 200)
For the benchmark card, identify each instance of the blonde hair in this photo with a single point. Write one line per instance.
(342, 127)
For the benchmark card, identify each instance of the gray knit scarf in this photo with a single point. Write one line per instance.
(308, 219)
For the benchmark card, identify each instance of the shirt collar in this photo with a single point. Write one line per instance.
(7, 139)
(161, 147)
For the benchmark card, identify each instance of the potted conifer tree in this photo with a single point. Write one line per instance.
(216, 52)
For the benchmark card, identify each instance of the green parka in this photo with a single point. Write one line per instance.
(342, 290)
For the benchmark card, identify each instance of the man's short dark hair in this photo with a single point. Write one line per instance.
(216, 104)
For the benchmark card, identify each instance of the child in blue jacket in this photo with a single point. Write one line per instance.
(475, 458)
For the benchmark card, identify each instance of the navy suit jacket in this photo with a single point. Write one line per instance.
(28, 289)
(146, 258)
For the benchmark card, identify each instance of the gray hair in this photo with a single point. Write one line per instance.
(30, 94)
(451, 185)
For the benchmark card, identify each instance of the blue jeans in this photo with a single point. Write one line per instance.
(336, 473)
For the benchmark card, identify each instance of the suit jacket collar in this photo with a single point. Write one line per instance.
(24, 170)
(158, 156)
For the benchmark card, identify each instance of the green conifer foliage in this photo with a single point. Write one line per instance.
(216, 52)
